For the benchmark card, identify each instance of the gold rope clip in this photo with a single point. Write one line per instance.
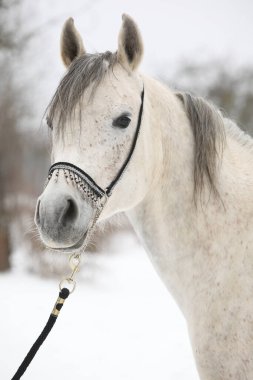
(74, 262)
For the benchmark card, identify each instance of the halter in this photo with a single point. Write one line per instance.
(89, 189)
(98, 197)
(85, 178)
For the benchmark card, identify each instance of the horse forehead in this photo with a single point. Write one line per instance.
(118, 85)
(111, 99)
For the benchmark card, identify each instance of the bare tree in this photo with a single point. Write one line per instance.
(9, 138)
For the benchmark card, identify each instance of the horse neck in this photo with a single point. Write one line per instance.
(182, 239)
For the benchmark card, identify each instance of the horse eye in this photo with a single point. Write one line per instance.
(49, 123)
(122, 122)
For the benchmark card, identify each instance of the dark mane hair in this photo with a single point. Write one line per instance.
(85, 71)
(208, 130)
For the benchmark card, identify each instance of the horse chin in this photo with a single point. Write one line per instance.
(69, 249)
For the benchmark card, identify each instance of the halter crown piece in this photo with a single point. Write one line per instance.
(98, 197)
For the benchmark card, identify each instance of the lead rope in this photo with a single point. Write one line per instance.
(99, 197)
(74, 261)
(69, 281)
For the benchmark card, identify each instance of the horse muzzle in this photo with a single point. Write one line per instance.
(62, 216)
(68, 208)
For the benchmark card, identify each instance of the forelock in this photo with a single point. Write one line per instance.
(85, 72)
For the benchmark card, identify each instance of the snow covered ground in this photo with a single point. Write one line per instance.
(119, 324)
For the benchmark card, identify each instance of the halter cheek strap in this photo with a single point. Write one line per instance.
(123, 167)
(99, 192)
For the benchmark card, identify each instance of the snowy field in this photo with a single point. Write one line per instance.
(119, 324)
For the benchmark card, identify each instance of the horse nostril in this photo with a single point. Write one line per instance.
(70, 212)
(37, 216)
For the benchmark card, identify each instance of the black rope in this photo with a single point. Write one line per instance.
(64, 293)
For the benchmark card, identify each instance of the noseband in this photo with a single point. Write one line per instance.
(89, 189)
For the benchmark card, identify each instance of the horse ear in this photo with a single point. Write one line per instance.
(71, 43)
(130, 46)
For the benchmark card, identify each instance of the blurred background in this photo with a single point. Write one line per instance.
(199, 46)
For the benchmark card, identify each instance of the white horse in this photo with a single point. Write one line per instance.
(188, 190)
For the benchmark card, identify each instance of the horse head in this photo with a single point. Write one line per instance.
(94, 116)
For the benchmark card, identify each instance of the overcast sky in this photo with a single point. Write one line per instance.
(173, 31)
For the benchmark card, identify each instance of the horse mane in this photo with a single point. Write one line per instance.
(86, 71)
(208, 127)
